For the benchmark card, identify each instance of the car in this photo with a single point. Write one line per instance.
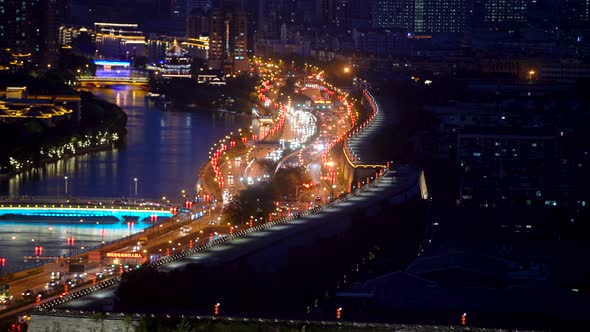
(99, 275)
(109, 271)
(52, 284)
(212, 223)
(5, 299)
(71, 282)
(28, 293)
(318, 199)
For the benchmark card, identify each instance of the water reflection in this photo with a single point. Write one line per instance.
(18, 239)
(164, 150)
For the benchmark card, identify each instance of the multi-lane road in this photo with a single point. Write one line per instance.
(301, 123)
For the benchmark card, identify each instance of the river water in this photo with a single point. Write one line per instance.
(164, 151)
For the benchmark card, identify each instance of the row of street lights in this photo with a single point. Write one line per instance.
(135, 181)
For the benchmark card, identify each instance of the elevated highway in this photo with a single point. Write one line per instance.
(359, 166)
(266, 247)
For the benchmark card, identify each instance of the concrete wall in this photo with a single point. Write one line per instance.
(41, 323)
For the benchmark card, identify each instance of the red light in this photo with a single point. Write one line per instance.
(3, 261)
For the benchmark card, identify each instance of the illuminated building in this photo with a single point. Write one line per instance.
(31, 27)
(195, 47)
(177, 63)
(503, 11)
(228, 39)
(17, 105)
(67, 34)
(444, 16)
(389, 14)
(119, 40)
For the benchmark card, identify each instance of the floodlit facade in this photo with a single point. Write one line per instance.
(119, 40)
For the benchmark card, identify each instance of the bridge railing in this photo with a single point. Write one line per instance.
(351, 156)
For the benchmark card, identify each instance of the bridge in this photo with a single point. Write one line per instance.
(112, 80)
(85, 213)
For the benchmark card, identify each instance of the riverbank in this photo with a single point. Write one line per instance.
(30, 143)
(41, 163)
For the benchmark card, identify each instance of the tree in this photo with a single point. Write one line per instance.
(285, 182)
(256, 201)
(183, 326)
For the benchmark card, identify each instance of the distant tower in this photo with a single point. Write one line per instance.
(228, 39)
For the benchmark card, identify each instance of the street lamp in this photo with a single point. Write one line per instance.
(66, 182)
(135, 181)
(532, 74)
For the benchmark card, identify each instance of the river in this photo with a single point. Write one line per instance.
(163, 150)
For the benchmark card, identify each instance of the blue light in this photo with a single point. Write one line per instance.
(82, 212)
(112, 63)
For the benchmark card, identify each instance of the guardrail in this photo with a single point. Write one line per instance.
(78, 294)
(351, 156)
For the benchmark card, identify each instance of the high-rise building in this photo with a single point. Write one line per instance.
(31, 27)
(439, 16)
(502, 12)
(575, 12)
(343, 13)
(197, 23)
(326, 11)
(390, 14)
(228, 39)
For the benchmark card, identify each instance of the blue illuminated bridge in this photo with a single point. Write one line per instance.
(79, 213)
